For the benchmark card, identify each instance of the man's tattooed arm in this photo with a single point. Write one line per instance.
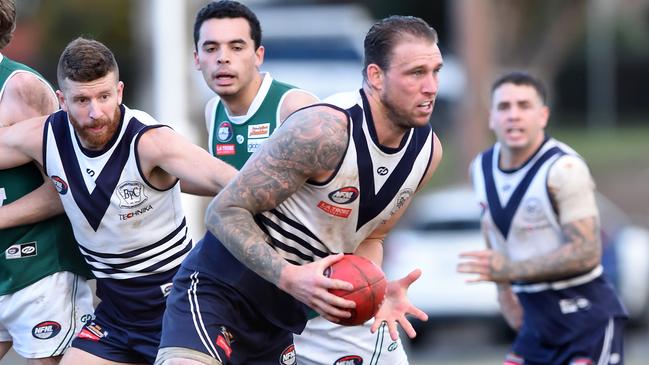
(580, 252)
(309, 145)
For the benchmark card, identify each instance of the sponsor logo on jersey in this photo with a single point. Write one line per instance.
(334, 210)
(572, 305)
(382, 170)
(393, 346)
(20, 250)
(288, 356)
(223, 340)
(45, 330)
(131, 194)
(92, 332)
(60, 185)
(240, 139)
(225, 149)
(87, 318)
(259, 130)
(349, 360)
(254, 144)
(344, 195)
(166, 289)
(224, 132)
(135, 213)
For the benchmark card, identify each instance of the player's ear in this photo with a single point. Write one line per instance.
(375, 76)
(259, 56)
(61, 99)
(120, 92)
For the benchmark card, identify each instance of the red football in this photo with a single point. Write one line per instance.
(369, 287)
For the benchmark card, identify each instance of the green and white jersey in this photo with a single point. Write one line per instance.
(234, 139)
(31, 252)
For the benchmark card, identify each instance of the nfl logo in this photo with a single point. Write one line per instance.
(225, 132)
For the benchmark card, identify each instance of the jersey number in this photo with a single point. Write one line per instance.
(3, 196)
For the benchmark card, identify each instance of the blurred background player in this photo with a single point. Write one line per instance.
(43, 292)
(249, 105)
(542, 228)
(116, 171)
(278, 217)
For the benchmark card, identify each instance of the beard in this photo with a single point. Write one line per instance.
(93, 140)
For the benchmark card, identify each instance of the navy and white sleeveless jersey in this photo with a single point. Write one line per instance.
(371, 183)
(521, 222)
(133, 235)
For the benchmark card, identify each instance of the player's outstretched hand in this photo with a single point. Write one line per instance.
(307, 284)
(396, 306)
(488, 265)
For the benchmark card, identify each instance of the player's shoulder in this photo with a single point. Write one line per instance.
(140, 115)
(344, 100)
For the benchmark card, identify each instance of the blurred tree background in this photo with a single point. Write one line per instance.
(591, 53)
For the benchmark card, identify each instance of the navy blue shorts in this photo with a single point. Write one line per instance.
(104, 338)
(211, 317)
(603, 345)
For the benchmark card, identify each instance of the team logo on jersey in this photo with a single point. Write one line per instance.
(344, 195)
(382, 170)
(225, 149)
(532, 210)
(60, 185)
(288, 356)
(92, 331)
(225, 131)
(334, 210)
(131, 194)
(45, 330)
(20, 250)
(259, 130)
(240, 139)
(349, 360)
(254, 144)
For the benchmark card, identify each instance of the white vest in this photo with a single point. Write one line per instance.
(125, 227)
(518, 213)
(371, 184)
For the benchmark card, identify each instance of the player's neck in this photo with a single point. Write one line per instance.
(239, 103)
(514, 158)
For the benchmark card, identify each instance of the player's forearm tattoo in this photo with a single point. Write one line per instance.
(308, 143)
(580, 252)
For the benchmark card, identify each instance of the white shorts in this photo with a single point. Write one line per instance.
(326, 343)
(43, 318)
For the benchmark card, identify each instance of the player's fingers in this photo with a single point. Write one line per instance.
(475, 254)
(375, 325)
(330, 260)
(407, 327)
(418, 313)
(336, 301)
(326, 309)
(337, 284)
(392, 328)
(410, 278)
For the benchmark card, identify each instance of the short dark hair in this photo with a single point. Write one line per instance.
(521, 78)
(384, 35)
(7, 21)
(227, 9)
(85, 60)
